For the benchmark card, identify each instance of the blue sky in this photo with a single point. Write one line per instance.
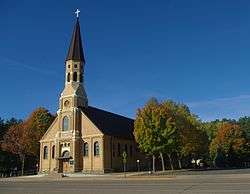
(195, 52)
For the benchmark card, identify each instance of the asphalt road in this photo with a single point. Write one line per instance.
(216, 183)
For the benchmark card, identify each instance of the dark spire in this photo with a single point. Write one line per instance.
(75, 49)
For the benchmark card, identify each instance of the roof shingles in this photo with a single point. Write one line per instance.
(110, 123)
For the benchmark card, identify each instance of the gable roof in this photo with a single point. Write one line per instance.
(110, 123)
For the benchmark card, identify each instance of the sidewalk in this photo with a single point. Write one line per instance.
(82, 176)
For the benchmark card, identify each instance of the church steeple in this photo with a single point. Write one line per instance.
(75, 51)
(74, 93)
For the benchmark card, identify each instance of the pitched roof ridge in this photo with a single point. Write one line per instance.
(110, 123)
(110, 112)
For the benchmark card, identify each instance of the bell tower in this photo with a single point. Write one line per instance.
(74, 94)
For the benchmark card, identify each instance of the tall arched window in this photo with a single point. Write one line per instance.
(74, 76)
(68, 77)
(85, 149)
(53, 152)
(65, 123)
(96, 149)
(45, 152)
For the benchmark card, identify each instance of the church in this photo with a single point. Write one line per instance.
(83, 138)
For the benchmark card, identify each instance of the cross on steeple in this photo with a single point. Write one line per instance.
(75, 51)
(77, 12)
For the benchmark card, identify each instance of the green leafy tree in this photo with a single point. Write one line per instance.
(166, 128)
(244, 123)
(193, 141)
(167, 131)
(171, 141)
(155, 129)
(211, 128)
(145, 131)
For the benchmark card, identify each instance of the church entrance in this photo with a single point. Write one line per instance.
(64, 165)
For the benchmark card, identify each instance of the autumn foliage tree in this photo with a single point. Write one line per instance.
(23, 138)
(34, 128)
(6, 124)
(230, 142)
(14, 142)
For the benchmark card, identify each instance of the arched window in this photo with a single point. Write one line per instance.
(119, 149)
(74, 76)
(85, 149)
(45, 152)
(96, 149)
(53, 152)
(65, 123)
(68, 77)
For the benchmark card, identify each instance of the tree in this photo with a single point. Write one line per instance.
(5, 125)
(35, 126)
(229, 141)
(192, 140)
(145, 130)
(244, 123)
(211, 128)
(14, 142)
(155, 129)
(168, 128)
(168, 132)
(23, 138)
(2, 128)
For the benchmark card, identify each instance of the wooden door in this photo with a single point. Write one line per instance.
(66, 166)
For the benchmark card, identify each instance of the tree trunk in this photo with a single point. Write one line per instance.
(22, 157)
(171, 163)
(179, 162)
(162, 161)
(153, 163)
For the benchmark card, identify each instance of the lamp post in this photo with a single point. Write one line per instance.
(138, 165)
(124, 157)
